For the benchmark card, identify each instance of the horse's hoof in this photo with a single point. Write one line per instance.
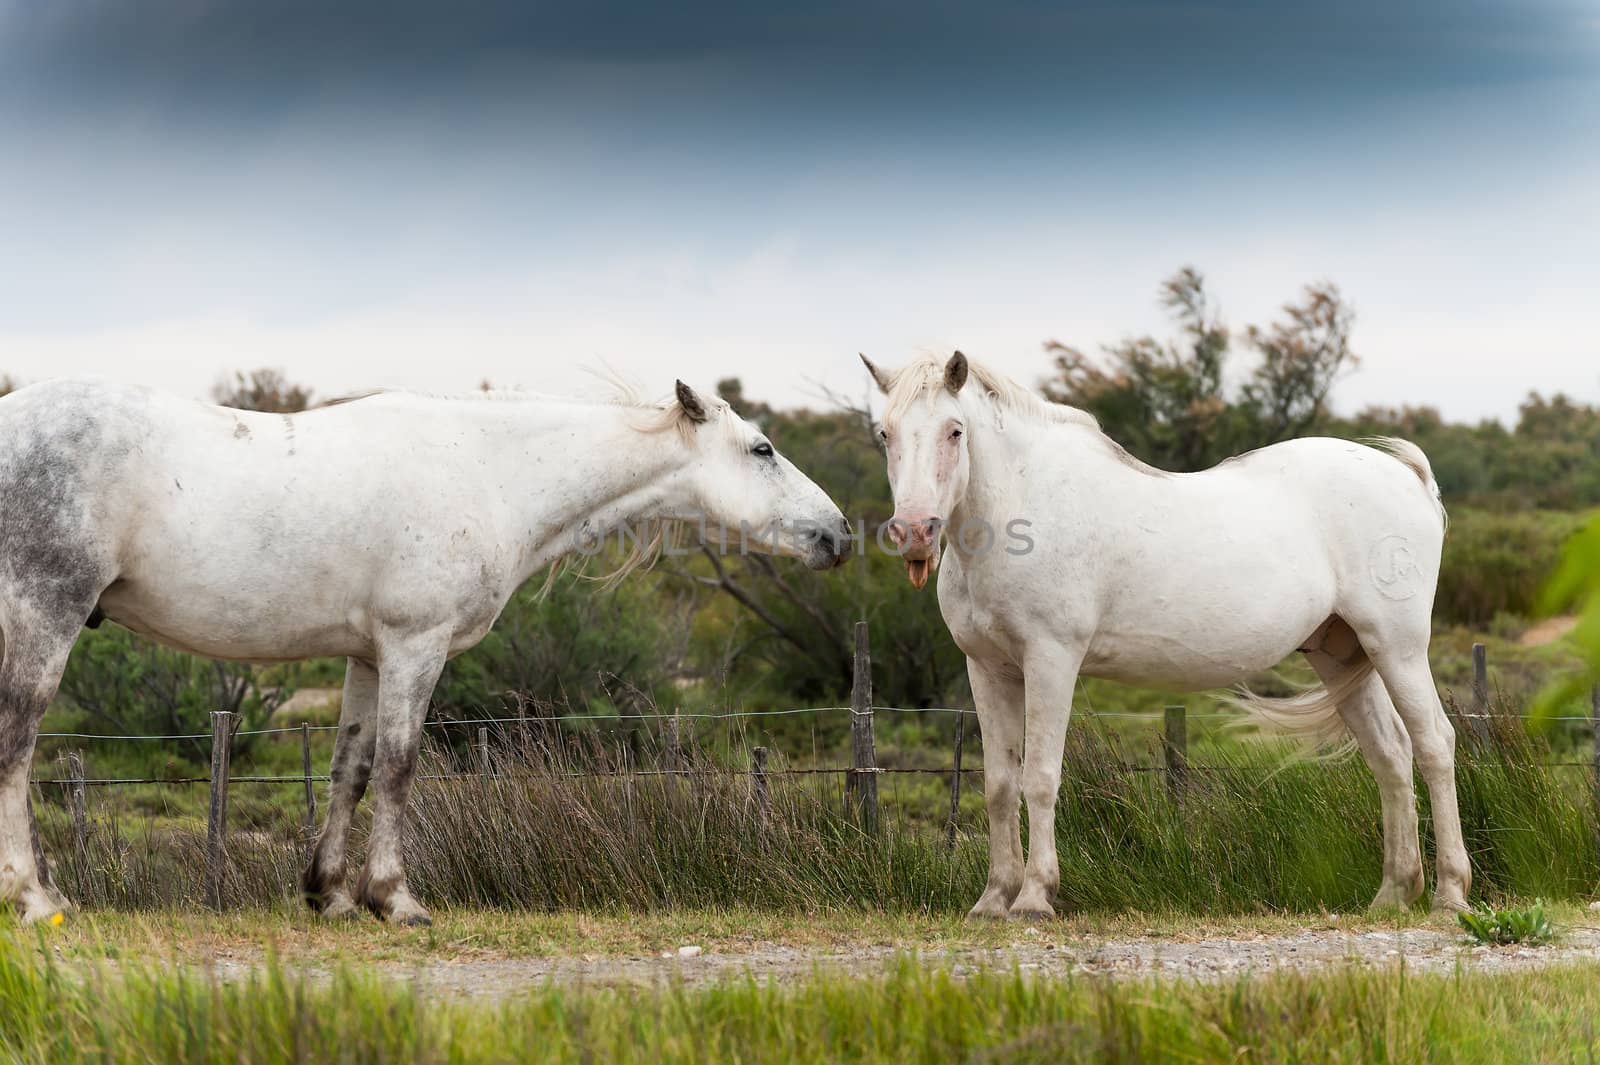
(339, 908)
(1449, 904)
(41, 907)
(1389, 902)
(1034, 902)
(992, 905)
(415, 920)
(44, 918)
(1031, 915)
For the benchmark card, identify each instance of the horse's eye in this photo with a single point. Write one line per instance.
(883, 435)
(955, 434)
(762, 450)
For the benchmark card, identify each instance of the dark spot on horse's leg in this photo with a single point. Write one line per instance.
(315, 884)
(374, 894)
(354, 729)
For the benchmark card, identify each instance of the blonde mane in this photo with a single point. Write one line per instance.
(653, 416)
(925, 375)
(650, 416)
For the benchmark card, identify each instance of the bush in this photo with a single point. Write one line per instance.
(577, 648)
(1496, 563)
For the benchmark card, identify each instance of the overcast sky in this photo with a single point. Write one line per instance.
(427, 195)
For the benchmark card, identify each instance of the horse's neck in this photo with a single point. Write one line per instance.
(583, 471)
(1000, 461)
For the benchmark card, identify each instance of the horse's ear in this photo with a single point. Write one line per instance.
(693, 409)
(879, 378)
(955, 373)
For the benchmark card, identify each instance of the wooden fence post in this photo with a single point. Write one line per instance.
(955, 784)
(524, 735)
(862, 784)
(672, 753)
(80, 816)
(1480, 692)
(1175, 748)
(311, 788)
(761, 790)
(635, 720)
(217, 818)
(672, 749)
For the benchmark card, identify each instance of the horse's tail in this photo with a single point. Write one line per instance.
(1310, 717)
(1412, 457)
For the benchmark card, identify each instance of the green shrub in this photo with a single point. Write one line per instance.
(1503, 927)
(1496, 563)
(577, 647)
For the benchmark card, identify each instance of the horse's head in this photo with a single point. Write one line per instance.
(750, 494)
(924, 435)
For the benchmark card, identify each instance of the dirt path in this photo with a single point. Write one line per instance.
(1033, 952)
(1547, 631)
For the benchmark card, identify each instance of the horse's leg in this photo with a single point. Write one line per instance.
(41, 862)
(323, 884)
(35, 654)
(998, 696)
(1051, 675)
(408, 669)
(1371, 718)
(1410, 682)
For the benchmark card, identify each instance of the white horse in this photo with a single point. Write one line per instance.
(1066, 555)
(390, 530)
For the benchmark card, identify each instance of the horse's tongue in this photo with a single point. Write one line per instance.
(917, 570)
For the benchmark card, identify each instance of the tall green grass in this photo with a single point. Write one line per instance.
(1249, 833)
(145, 1011)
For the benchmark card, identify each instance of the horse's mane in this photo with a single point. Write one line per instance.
(651, 536)
(925, 374)
(654, 416)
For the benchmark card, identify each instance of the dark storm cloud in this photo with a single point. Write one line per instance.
(215, 55)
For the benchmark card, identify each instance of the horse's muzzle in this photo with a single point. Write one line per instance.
(917, 543)
(828, 548)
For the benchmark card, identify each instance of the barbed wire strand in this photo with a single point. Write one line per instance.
(631, 719)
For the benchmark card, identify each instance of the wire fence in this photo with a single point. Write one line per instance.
(656, 722)
(860, 776)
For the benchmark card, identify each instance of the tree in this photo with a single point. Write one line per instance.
(1169, 402)
(266, 389)
(1301, 358)
(786, 632)
(1550, 458)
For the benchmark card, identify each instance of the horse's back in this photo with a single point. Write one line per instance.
(1349, 486)
(1194, 580)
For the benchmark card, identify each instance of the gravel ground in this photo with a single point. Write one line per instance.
(1033, 952)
